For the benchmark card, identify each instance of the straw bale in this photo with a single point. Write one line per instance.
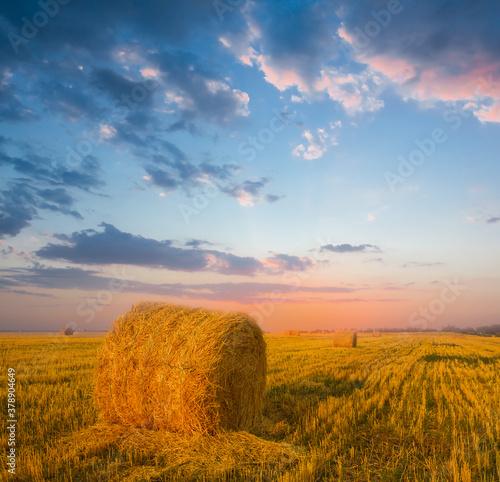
(182, 369)
(345, 338)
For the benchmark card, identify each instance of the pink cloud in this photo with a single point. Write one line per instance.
(473, 85)
(489, 114)
(281, 78)
(355, 92)
(245, 200)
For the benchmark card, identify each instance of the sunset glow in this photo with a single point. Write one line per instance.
(319, 165)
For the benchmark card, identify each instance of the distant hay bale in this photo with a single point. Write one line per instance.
(345, 338)
(182, 369)
(292, 332)
(376, 334)
(66, 331)
(288, 332)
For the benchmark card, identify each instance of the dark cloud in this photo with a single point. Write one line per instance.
(21, 202)
(349, 248)
(44, 184)
(44, 169)
(281, 21)
(201, 92)
(112, 246)
(119, 88)
(73, 102)
(162, 178)
(17, 209)
(91, 27)
(451, 27)
(493, 220)
(11, 108)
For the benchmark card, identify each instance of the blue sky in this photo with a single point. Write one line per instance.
(316, 164)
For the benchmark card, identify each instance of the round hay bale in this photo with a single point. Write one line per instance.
(345, 338)
(182, 369)
(66, 331)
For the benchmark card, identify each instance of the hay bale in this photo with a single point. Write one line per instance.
(66, 331)
(345, 338)
(294, 333)
(376, 334)
(182, 369)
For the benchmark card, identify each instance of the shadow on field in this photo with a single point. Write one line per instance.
(286, 404)
(467, 360)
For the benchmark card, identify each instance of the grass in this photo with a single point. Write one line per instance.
(398, 408)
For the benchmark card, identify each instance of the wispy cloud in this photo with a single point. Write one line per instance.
(349, 248)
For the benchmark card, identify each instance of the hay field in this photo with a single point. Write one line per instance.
(405, 408)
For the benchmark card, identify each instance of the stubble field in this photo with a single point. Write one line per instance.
(396, 408)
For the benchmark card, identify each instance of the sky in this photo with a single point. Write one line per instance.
(317, 164)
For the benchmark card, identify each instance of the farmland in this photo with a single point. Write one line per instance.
(396, 408)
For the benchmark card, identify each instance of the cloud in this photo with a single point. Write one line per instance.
(49, 278)
(356, 93)
(112, 246)
(454, 59)
(349, 248)
(12, 109)
(493, 220)
(270, 41)
(21, 202)
(196, 243)
(197, 92)
(316, 145)
(249, 192)
(44, 184)
(417, 264)
(285, 262)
